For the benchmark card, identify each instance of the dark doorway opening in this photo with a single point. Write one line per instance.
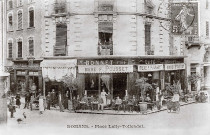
(119, 85)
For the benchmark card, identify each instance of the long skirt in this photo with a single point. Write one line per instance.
(41, 105)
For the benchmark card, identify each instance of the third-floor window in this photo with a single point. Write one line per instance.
(31, 17)
(10, 22)
(20, 20)
(31, 46)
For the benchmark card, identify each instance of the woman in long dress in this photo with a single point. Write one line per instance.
(41, 103)
(103, 96)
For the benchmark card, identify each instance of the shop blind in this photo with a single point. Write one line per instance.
(61, 40)
(20, 49)
(105, 27)
(20, 20)
(31, 47)
(10, 50)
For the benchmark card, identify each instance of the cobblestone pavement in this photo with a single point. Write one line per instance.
(191, 118)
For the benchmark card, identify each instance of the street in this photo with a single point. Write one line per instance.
(192, 118)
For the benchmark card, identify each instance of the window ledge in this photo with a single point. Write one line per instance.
(9, 58)
(10, 31)
(19, 30)
(19, 58)
(19, 6)
(31, 28)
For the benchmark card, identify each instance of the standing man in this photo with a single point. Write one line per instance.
(12, 107)
(60, 101)
(27, 100)
(53, 97)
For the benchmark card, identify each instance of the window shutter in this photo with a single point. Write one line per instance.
(31, 17)
(10, 49)
(20, 20)
(61, 40)
(147, 38)
(31, 47)
(20, 49)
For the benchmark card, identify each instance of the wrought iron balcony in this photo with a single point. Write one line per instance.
(192, 41)
(105, 49)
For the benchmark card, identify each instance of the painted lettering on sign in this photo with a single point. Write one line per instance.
(156, 67)
(175, 66)
(105, 68)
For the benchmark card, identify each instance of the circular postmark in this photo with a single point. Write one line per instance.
(178, 17)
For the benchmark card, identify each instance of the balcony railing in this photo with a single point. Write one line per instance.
(191, 41)
(149, 52)
(105, 49)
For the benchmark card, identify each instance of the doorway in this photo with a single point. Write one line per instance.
(119, 85)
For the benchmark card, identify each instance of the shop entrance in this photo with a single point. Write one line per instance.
(119, 85)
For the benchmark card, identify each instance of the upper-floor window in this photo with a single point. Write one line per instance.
(31, 46)
(106, 5)
(31, 17)
(10, 22)
(20, 20)
(149, 6)
(207, 4)
(30, 1)
(10, 4)
(207, 29)
(19, 43)
(60, 6)
(19, 2)
(148, 48)
(60, 48)
(10, 49)
(105, 33)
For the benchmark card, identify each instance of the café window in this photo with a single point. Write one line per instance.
(10, 49)
(31, 46)
(91, 84)
(60, 48)
(10, 22)
(20, 20)
(31, 17)
(105, 33)
(19, 48)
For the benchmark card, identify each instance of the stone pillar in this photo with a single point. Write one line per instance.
(3, 101)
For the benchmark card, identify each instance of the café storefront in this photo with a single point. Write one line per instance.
(117, 75)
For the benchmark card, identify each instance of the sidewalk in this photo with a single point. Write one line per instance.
(113, 112)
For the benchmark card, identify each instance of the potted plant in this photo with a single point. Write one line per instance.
(144, 86)
(193, 79)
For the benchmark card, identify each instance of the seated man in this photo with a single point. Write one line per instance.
(100, 103)
(118, 103)
(84, 102)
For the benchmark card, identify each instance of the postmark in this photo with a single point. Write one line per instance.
(179, 17)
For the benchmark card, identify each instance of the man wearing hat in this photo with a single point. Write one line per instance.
(12, 106)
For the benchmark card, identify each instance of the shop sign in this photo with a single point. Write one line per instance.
(105, 68)
(175, 66)
(21, 73)
(102, 62)
(154, 67)
(33, 73)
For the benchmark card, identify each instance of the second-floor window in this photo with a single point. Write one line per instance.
(148, 50)
(10, 22)
(60, 6)
(20, 20)
(10, 49)
(31, 46)
(19, 43)
(60, 48)
(31, 17)
(105, 33)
